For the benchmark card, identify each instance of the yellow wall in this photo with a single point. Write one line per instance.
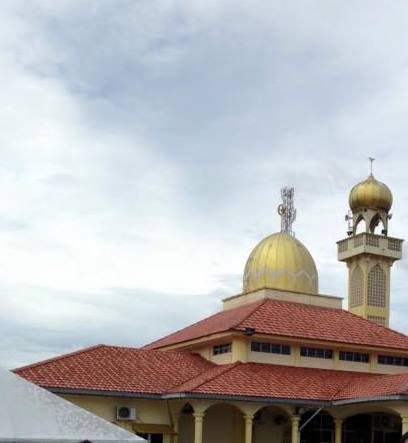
(223, 422)
(241, 351)
(281, 295)
(148, 411)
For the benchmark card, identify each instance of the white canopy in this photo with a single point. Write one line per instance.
(29, 413)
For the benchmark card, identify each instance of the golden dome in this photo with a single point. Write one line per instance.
(280, 261)
(371, 194)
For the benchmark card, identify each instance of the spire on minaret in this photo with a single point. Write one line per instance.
(372, 160)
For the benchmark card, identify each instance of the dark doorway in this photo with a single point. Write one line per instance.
(373, 428)
(319, 430)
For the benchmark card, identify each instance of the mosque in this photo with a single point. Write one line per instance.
(280, 363)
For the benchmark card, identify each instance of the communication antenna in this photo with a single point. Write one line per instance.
(372, 160)
(287, 209)
(349, 220)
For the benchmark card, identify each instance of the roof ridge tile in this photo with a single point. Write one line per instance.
(207, 377)
(250, 313)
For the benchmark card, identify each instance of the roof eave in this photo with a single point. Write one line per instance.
(395, 397)
(268, 400)
(101, 393)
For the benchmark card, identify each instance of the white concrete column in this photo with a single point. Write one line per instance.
(338, 427)
(248, 428)
(404, 420)
(198, 427)
(294, 420)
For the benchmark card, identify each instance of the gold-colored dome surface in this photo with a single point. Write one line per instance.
(371, 194)
(280, 261)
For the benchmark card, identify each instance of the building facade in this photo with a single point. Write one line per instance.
(280, 363)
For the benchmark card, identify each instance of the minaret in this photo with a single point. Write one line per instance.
(369, 254)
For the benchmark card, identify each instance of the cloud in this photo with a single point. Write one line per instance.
(143, 146)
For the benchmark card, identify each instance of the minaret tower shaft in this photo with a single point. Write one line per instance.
(369, 254)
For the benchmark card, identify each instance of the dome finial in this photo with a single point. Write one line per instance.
(372, 160)
(287, 209)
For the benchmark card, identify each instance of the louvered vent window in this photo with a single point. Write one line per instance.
(356, 290)
(377, 287)
(377, 319)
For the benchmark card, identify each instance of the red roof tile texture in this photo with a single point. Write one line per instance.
(142, 372)
(375, 386)
(116, 369)
(294, 320)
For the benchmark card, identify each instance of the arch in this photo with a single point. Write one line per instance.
(282, 408)
(377, 287)
(223, 422)
(271, 420)
(377, 222)
(360, 225)
(356, 287)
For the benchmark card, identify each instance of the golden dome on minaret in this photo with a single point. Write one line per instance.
(370, 194)
(280, 261)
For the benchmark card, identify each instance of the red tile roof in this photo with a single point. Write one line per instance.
(294, 383)
(274, 381)
(116, 369)
(294, 320)
(375, 386)
(141, 372)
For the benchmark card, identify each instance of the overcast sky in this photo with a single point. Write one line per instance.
(143, 145)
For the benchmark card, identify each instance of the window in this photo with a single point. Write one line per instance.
(222, 349)
(270, 348)
(392, 360)
(316, 353)
(152, 438)
(356, 288)
(377, 287)
(354, 356)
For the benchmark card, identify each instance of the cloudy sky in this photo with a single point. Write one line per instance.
(143, 145)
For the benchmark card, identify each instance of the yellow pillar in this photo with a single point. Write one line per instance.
(295, 419)
(198, 427)
(338, 426)
(248, 428)
(404, 419)
(176, 419)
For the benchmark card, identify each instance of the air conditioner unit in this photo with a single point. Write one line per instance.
(125, 413)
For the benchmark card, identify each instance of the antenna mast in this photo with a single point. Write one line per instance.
(287, 209)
